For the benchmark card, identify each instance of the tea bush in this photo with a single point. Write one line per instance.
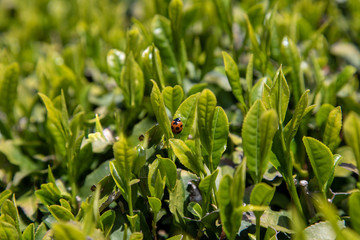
(266, 92)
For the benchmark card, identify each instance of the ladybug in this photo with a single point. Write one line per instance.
(176, 126)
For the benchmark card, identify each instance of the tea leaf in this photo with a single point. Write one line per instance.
(115, 61)
(5, 195)
(158, 105)
(186, 156)
(354, 210)
(8, 231)
(107, 220)
(67, 231)
(230, 216)
(238, 185)
(352, 134)
(168, 169)
(125, 156)
(9, 210)
(205, 111)
(186, 113)
(195, 209)
(249, 74)
(29, 232)
(344, 77)
(321, 160)
(291, 55)
(173, 96)
(323, 114)
(262, 194)
(233, 76)
(161, 29)
(155, 204)
(208, 183)
(332, 129)
(132, 82)
(8, 89)
(252, 132)
(60, 213)
(176, 15)
(268, 128)
(292, 127)
(280, 95)
(219, 135)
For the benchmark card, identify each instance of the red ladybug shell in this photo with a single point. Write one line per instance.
(176, 126)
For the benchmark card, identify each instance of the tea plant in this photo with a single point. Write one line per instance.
(264, 94)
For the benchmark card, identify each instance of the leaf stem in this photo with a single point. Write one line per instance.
(258, 227)
(130, 200)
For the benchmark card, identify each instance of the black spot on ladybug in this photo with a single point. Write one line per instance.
(177, 128)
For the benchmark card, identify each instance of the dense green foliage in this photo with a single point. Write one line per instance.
(267, 92)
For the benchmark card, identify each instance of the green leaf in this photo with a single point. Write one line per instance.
(155, 204)
(352, 134)
(48, 194)
(268, 128)
(196, 88)
(332, 129)
(65, 204)
(321, 160)
(136, 236)
(258, 89)
(173, 96)
(323, 114)
(168, 169)
(41, 230)
(208, 183)
(8, 231)
(54, 124)
(176, 15)
(153, 65)
(219, 135)
(230, 216)
(186, 112)
(115, 60)
(9, 209)
(280, 95)
(132, 83)
(8, 89)
(258, 131)
(205, 113)
(125, 156)
(291, 55)
(249, 74)
(161, 29)
(67, 231)
(5, 195)
(117, 179)
(253, 39)
(223, 9)
(233, 76)
(158, 105)
(176, 237)
(195, 209)
(262, 194)
(186, 156)
(29, 232)
(238, 185)
(292, 127)
(156, 181)
(60, 213)
(107, 220)
(344, 76)
(354, 210)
